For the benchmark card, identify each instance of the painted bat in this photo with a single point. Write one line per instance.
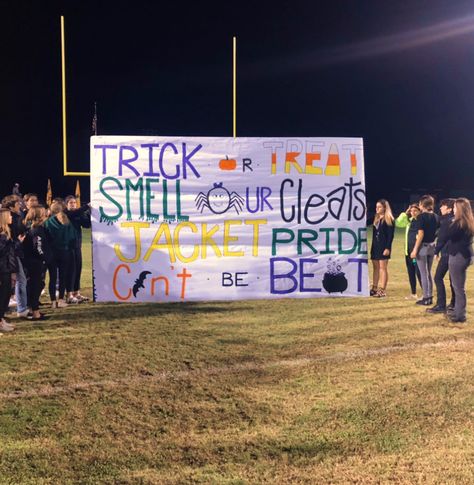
(139, 282)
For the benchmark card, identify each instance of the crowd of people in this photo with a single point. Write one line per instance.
(446, 237)
(36, 240)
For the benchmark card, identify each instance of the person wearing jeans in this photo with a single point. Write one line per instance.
(13, 203)
(425, 247)
(460, 237)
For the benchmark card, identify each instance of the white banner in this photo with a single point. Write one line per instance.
(183, 219)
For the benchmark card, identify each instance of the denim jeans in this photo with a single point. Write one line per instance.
(424, 260)
(457, 270)
(20, 288)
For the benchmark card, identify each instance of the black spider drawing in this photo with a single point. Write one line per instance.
(219, 200)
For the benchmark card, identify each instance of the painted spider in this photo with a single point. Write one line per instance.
(219, 200)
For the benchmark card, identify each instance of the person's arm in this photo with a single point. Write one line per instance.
(389, 234)
(419, 238)
(402, 220)
(443, 236)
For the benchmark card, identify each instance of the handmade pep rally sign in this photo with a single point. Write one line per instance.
(192, 218)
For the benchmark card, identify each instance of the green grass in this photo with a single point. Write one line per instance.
(249, 392)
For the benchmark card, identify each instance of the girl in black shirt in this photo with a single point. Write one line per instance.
(382, 237)
(460, 236)
(425, 247)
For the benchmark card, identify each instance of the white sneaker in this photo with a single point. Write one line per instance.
(412, 297)
(11, 303)
(72, 300)
(61, 304)
(22, 314)
(5, 327)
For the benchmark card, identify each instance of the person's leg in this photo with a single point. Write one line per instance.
(422, 263)
(457, 269)
(71, 275)
(78, 263)
(383, 274)
(20, 289)
(429, 263)
(453, 295)
(5, 290)
(376, 272)
(64, 276)
(53, 276)
(411, 270)
(418, 274)
(35, 286)
(441, 271)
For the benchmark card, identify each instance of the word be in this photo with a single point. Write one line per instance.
(229, 279)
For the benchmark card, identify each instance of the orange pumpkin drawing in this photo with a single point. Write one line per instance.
(227, 163)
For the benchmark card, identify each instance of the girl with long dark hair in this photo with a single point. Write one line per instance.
(460, 235)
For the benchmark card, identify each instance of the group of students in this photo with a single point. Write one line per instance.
(447, 238)
(35, 240)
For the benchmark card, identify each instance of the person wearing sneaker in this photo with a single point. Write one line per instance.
(17, 228)
(441, 252)
(460, 236)
(38, 255)
(8, 266)
(408, 221)
(79, 217)
(62, 237)
(424, 247)
(383, 230)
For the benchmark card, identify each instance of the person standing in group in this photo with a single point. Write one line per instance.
(79, 217)
(8, 266)
(37, 256)
(408, 221)
(17, 228)
(383, 230)
(425, 247)
(62, 237)
(460, 235)
(441, 249)
(30, 200)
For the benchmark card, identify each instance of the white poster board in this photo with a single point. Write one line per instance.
(193, 218)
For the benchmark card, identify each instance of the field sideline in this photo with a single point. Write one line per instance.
(252, 392)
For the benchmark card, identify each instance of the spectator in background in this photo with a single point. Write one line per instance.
(8, 266)
(460, 235)
(408, 221)
(79, 217)
(29, 200)
(441, 249)
(382, 237)
(17, 229)
(425, 246)
(62, 236)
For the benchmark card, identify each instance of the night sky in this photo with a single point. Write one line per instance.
(400, 74)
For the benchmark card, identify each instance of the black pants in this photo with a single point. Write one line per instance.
(5, 292)
(34, 282)
(76, 269)
(413, 273)
(441, 271)
(60, 267)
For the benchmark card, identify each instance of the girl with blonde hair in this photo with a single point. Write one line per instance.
(383, 230)
(8, 267)
(460, 235)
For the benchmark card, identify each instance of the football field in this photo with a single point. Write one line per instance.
(314, 391)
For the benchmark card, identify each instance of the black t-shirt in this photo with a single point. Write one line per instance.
(428, 222)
